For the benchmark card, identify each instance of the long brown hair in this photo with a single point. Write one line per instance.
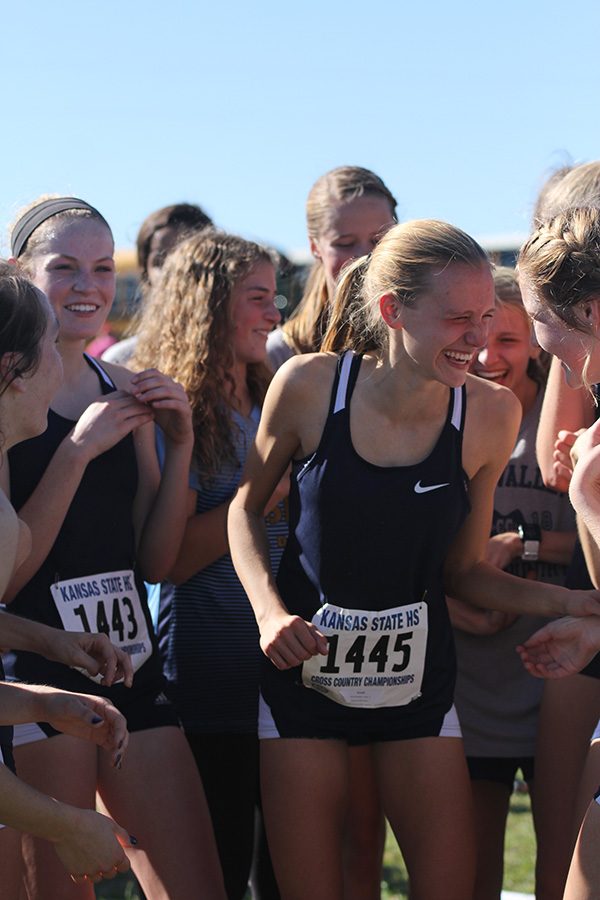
(186, 331)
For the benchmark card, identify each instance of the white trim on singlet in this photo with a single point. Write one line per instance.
(457, 408)
(342, 389)
(98, 368)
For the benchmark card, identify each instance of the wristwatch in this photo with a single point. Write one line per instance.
(531, 536)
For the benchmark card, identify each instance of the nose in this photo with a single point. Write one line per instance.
(272, 314)
(83, 282)
(477, 335)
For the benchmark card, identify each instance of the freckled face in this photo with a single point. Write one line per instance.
(353, 229)
(449, 323)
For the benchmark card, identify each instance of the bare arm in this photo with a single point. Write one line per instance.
(205, 537)
(287, 640)
(89, 651)
(591, 552)
(555, 547)
(204, 540)
(161, 502)
(81, 715)
(86, 842)
(102, 424)
(563, 409)
(468, 575)
(475, 620)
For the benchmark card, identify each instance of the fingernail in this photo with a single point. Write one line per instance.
(133, 840)
(96, 720)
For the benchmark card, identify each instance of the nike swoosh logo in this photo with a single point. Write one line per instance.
(419, 489)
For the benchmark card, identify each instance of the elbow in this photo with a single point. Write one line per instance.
(156, 570)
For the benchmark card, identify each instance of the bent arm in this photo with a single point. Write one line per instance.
(85, 841)
(204, 540)
(45, 510)
(286, 639)
(160, 511)
(469, 577)
(563, 409)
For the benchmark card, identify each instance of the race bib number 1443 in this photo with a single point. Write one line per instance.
(108, 602)
(375, 658)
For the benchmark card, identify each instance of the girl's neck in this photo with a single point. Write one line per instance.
(526, 393)
(72, 358)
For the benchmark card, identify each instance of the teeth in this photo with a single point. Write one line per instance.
(460, 357)
(82, 307)
(490, 375)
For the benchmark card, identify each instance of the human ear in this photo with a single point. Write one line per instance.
(314, 248)
(10, 373)
(391, 311)
(591, 314)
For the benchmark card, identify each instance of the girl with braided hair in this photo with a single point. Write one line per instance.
(206, 324)
(559, 271)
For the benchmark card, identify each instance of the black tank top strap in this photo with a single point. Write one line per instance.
(107, 385)
(345, 380)
(459, 408)
(346, 372)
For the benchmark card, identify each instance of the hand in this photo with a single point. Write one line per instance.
(562, 647)
(85, 716)
(502, 548)
(92, 652)
(580, 603)
(584, 489)
(92, 846)
(289, 640)
(168, 402)
(563, 461)
(107, 421)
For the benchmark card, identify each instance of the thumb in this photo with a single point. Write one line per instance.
(126, 840)
(83, 660)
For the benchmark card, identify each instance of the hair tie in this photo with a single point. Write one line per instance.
(34, 217)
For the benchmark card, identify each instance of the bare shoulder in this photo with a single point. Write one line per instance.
(305, 377)
(297, 402)
(119, 374)
(491, 426)
(491, 402)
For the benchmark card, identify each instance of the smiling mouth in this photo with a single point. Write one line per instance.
(462, 358)
(82, 307)
(491, 376)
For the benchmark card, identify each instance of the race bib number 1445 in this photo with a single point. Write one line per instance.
(375, 658)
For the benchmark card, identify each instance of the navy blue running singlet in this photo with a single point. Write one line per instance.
(364, 561)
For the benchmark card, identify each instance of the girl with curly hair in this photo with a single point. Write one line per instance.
(206, 324)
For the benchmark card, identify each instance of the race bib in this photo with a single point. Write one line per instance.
(109, 603)
(375, 658)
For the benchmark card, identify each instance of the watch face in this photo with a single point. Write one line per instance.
(530, 532)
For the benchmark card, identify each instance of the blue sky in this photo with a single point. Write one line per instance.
(240, 107)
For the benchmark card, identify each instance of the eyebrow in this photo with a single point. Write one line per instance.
(101, 259)
(258, 287)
